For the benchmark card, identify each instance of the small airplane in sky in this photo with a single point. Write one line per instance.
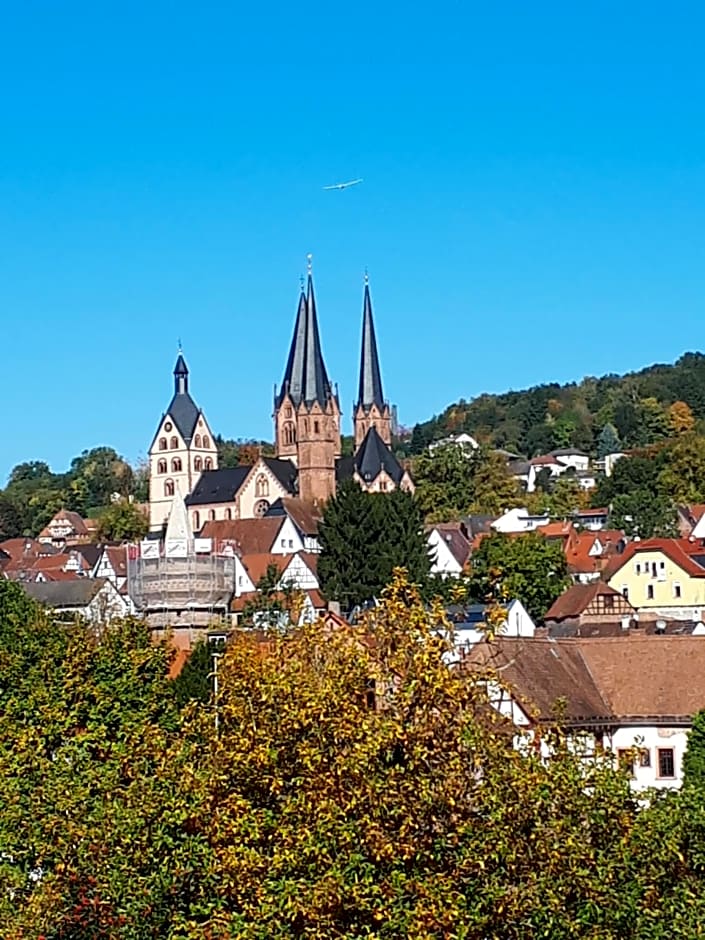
(343, 185)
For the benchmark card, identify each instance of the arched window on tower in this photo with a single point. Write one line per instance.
(176, 464)
(287, 411)
(198, 463)
(196, 522)
(261, 485)
(162, 443)
(211, 514)
(261, 507)
(174, 443)
(206, 441)
(169, 488)
(315, 427)
(209, 464)
(228, 513)
(197, 440)
(161, 466)
(289, 433)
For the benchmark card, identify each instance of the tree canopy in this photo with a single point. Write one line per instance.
(363, 537)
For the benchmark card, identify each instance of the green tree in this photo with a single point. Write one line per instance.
(493, 489)
(364, 536)
(228, 452)
(528, 567)
(444, 481)
(105, 473)
(694, 757)
(608, 441)
(195, 681)
(122, 521)
(682, 478)
(10, 519)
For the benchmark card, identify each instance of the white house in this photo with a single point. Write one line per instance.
(612, 694)
(520, 520)
(469, 623)
(96, 600)
(449, 547)
(466, 441)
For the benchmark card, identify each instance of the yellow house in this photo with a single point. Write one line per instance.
(664, 577)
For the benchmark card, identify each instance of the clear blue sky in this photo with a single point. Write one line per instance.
(533, 205)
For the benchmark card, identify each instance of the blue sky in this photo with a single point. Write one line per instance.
(533, 205)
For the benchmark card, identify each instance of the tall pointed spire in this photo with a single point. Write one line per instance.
(370, 389)
(305, 376)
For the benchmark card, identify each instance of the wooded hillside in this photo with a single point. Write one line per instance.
(595, 415)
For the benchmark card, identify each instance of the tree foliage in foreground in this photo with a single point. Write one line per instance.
(358, 787)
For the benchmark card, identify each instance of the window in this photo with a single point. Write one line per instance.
(228, 513)
(289, 433)
(666, 764)
(198, 463)
(162, 443)
(169, 488)
(196, 522)
(197, 441)
(644, 757)
(637, 568)
(208, 464)
(315, 427)
(168, 426)
(211, 514)
(291, 543)
(383, 485)
(609, 601)
(261, 485)
(260, 508)
(287, 411)
(625, 591)
(161, 466)
(176, 464)
(676, 590)
(625, 759)
(649, 592)
(206, 441)
(174, 443)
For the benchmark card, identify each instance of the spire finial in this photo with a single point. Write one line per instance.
(178, 343)
(309, 263)
(302, 281)
(367, 278)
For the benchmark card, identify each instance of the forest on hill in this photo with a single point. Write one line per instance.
(595, 415)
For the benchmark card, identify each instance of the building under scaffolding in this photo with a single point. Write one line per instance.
(179, 584)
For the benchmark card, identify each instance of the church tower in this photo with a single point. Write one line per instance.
(306, 408)
(371, 409)
(182, 448)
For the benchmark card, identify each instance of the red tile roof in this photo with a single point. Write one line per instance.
(677, 550)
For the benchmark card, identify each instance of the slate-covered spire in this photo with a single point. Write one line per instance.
(305, 377)
(180, 375)
(370, 390)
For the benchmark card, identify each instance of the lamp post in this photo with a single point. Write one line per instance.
(216, 640)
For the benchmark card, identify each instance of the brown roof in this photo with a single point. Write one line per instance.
(117, 555)
(454, 535)
(577, 598)
(305, 514)
(605, 678)
(540, 672)
(247, 536)
(257, 564)
(74, 519)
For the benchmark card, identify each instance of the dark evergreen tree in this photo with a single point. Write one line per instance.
(195, 681)
(364, 536)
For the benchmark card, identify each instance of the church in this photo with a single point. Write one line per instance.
(308, 463)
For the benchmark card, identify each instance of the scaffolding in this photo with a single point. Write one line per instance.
(182, 593)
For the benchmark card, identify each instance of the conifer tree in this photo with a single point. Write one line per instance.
(364, 536)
